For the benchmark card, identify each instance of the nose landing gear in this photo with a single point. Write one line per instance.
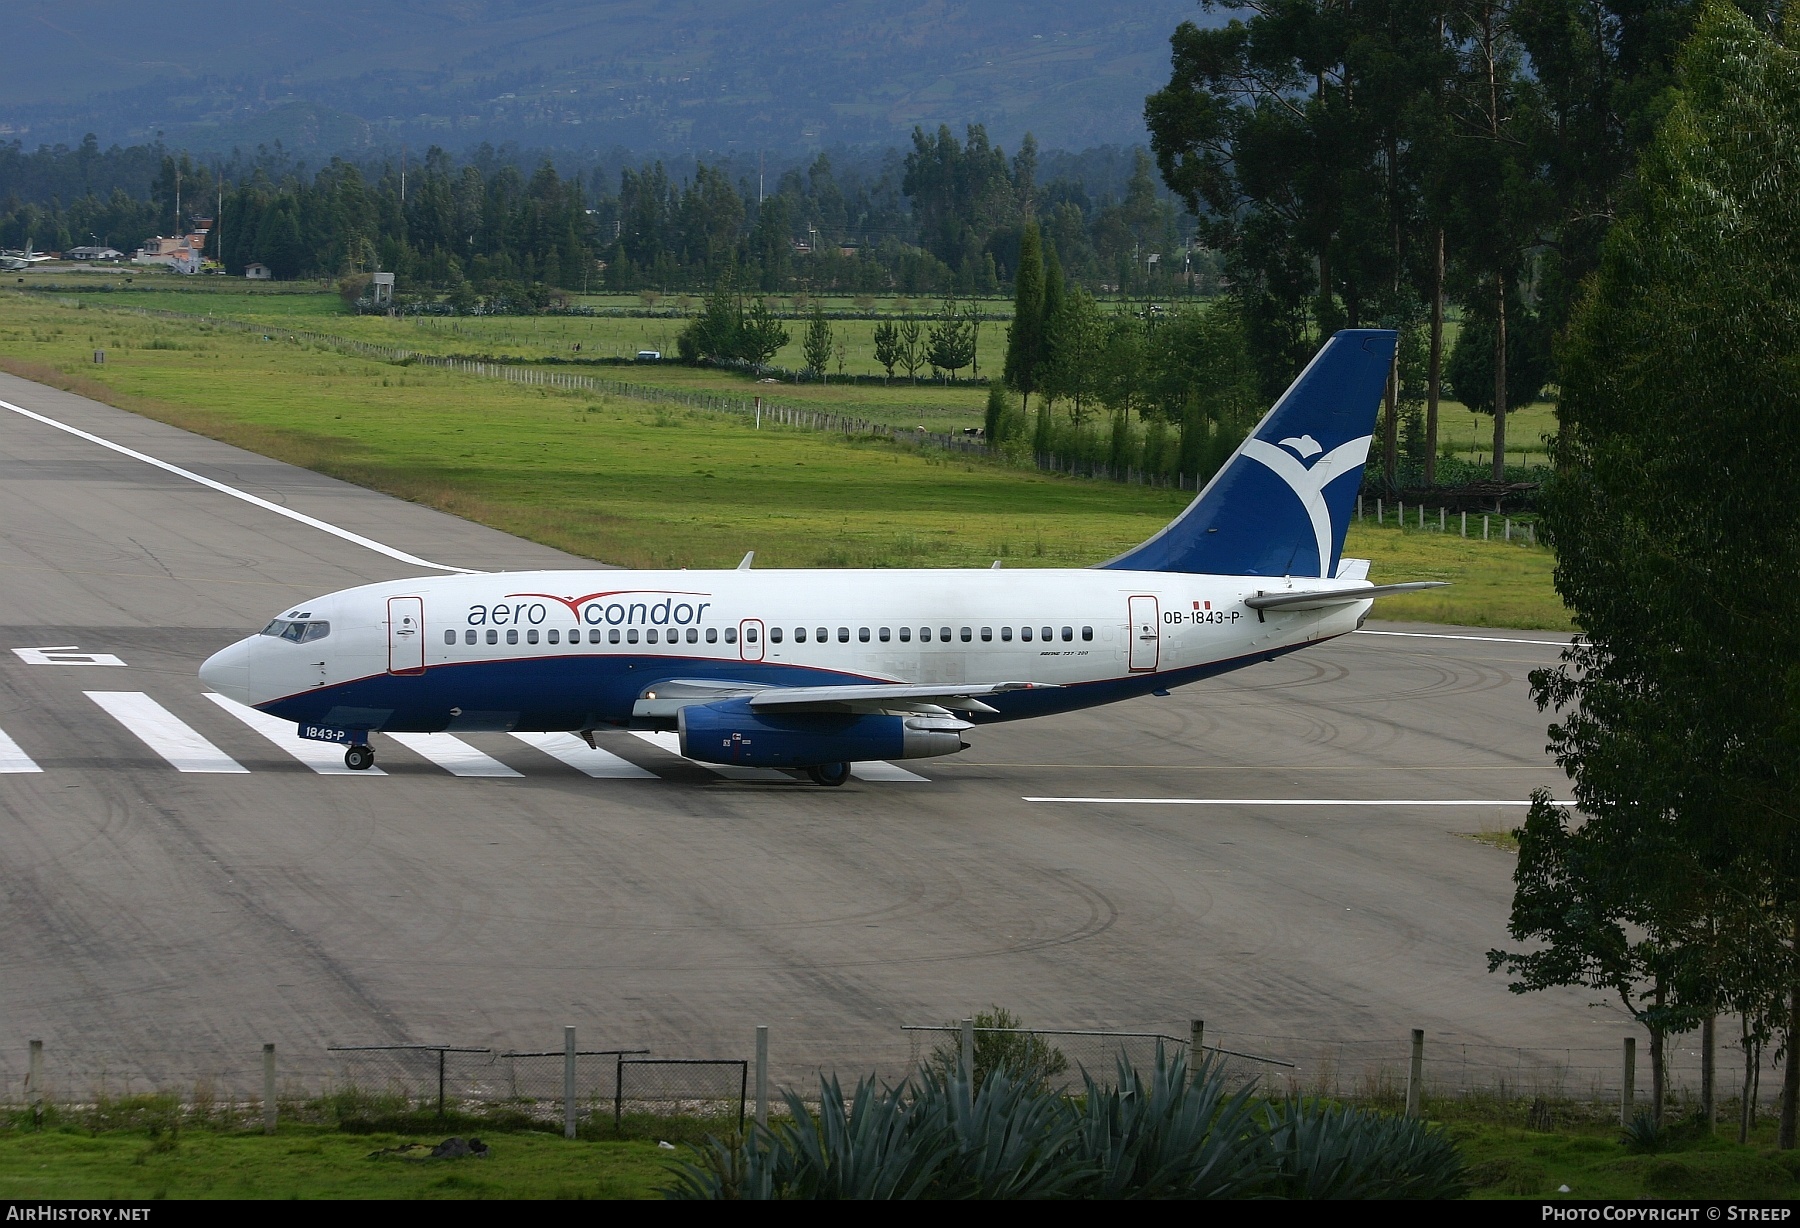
(829, 774)
(359, 758)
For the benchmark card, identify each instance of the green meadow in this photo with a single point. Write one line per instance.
(641, 484)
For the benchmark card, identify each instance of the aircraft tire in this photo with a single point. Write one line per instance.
(359, 758)
(829, 774)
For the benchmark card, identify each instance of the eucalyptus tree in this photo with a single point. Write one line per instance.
(1678, 537)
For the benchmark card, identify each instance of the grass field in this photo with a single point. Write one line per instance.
(1506, 1160)
(531, 339)
(644, 485)
(316, 1162)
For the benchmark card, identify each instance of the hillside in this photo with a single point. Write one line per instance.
(679, 75)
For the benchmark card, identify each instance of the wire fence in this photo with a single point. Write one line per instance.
(633, 1091)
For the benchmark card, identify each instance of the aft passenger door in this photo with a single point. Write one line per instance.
(406, 635)
(1145, 633)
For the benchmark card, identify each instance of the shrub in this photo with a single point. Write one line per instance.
(1165, 1133)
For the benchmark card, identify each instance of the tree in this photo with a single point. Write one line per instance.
(951, 345)
(1025, 339)
(1073, 342)
(911, 352)
(717, 332)
(1678, 539)
(816, 347)
(761, 334)
(1470, 371)
(887, 346)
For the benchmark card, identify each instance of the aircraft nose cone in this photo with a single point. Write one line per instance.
(228, 672)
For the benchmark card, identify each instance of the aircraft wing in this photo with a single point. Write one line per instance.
(1325, 598)
(665, 699)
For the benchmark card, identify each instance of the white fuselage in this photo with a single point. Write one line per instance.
(570, 649)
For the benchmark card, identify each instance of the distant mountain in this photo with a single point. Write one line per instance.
(676, 75)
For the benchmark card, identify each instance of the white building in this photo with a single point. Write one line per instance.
(258, 272)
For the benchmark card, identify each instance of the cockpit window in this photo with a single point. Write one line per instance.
(297, 632)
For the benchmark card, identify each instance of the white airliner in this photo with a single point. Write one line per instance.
(815, 670)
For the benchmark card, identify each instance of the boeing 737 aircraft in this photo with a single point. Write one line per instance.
(815, 670)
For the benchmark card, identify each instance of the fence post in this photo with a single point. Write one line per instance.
(1708, 1081)
(618, 1091)
(569, 1080)
(1415, 1073)
(762, 1074)
(1379, 519)
(268, 1088)
(1628, 1082)
(440, 1083)
(1359, 499)
(1509, 528)
(34, 1081)
(968, 1050)
(1196, 1046)
(1484, 526)
(1440, 520)
(1465, 522)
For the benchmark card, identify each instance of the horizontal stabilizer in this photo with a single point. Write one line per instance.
(1323, 599)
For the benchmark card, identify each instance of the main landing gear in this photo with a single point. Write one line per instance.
(829, 774)
(359, 758)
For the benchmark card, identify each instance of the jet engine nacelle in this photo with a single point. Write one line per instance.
(732, 732)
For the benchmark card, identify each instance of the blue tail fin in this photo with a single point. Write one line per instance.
(1281, 505)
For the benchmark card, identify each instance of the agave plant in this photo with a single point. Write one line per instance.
(1321, 1150)
(1170, 1132)
(1168, 1136)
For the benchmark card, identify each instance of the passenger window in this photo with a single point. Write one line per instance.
(862, 634)
(712, 635)
(944, 634)
(531, 636)
(987, 633)
(493, 637)
(924, 635)
(750, 635)
(468, 637)
(1087, 633)
(844, 635)
(884, 635)
(594, 635)
(731, 635)
(905, 635)
(824, 635)
(631, 636)
(1006, 634)
(799, 635)
(650, 636)
(1068, 634)
(967, 634)
(693, 636)
(512, 636)
(553, 636)
(775, 635)
(449, 637)
(1049, 633)
(1025, 634)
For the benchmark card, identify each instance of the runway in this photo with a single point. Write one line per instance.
(1282, 851)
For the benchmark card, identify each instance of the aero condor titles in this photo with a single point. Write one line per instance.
(814, 670)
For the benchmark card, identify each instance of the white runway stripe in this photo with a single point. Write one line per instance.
(235, 493)
(165, 733)
(1276, 801)
(1484, 639)
(452, 754)
(671, 742)
(12, 759)
(601, 764)
(325, 758)
(881, 769)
